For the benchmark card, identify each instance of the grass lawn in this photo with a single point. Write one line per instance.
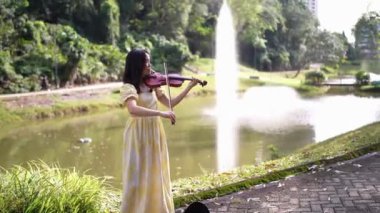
(249, 77)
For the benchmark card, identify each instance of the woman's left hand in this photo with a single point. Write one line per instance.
(192, 83)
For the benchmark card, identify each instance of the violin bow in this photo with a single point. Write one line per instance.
(167, 83)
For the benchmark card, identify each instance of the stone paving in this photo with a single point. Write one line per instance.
(350, 186)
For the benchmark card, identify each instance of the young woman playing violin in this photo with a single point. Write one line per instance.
(146, 171)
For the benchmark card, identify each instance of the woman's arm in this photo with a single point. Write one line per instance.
(139, 111)
(174, 101)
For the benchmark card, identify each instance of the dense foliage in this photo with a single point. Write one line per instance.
(367, 42)
(68, 42)
(314, 77)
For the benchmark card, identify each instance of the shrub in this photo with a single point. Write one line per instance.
(362, 77)
(327, 69)
(40, 188)
(314, 77)
(174, 53)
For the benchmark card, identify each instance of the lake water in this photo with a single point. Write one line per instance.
(265, 115)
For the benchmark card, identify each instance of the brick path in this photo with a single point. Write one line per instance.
(351, 186)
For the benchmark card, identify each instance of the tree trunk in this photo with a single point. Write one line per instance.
(297, 73)
(70, 73)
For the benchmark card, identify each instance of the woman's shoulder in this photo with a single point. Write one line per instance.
(128, 90)
(128, 87)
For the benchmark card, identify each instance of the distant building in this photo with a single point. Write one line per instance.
(312, 5)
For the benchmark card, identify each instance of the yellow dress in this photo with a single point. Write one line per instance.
(146, 171)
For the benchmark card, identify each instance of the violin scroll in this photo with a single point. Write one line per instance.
(202, 83)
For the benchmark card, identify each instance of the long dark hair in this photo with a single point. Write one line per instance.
(134, 65)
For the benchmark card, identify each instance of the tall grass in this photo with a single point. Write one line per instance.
(42, 188)
(6, 117)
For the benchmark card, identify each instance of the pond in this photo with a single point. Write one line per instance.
(265, 116)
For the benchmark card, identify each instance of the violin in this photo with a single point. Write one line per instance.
(156, 79)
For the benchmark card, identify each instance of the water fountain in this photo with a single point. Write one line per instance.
(226, 78)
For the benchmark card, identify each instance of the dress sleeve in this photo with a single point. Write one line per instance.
(128, 91)
(159, 92)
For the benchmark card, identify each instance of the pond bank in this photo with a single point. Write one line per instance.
(66, 102)
(343, 147)
(58, 103)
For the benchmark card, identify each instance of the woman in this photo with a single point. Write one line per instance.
(146, 175)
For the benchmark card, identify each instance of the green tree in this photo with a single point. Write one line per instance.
(362, 77)
(52, 11)
(109, 21)
(175, 54)
(252, 20)
(74, 48)
(314, 77)
(200, 32)
(98, 20)
(288, 46)
(299, 28)
(326, 47)
(367, 35)
(367, 41)
(11, 17)
(164, 17)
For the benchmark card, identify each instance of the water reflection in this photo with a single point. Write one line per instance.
(272, 109)
(277, 110)
(58, 142)
(335, 115)
(254, 145)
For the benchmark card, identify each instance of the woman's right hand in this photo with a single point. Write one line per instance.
(168, 114)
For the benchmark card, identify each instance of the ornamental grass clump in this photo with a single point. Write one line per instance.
(42, 188)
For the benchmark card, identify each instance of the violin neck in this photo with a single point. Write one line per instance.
(179, 78)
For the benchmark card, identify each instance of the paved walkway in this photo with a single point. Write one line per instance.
(351, 186)
(64, 90)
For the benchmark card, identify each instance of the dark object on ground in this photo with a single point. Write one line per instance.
(197, 207)
(45, 83)
(253, 77)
